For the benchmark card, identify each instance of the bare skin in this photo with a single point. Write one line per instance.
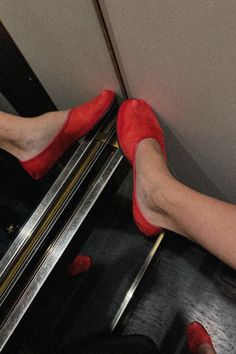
(206, 349)
(166, 202)
(31, 135)
(163, 200)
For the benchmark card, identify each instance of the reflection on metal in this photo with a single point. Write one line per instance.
(37, 228)
(56, 249)
(101, 137)
(136, 282)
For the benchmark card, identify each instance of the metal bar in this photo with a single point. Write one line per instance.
(136, 282)
(41, 234)
(56, 250)
(39, 214)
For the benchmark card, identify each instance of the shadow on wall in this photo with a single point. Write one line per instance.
(185, 169)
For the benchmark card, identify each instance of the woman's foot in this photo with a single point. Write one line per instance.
(198, 339)
(36, 133)
(40, 142)
(141, 138)
(151, 173)
(154, 193)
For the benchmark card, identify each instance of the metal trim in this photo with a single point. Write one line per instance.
(137, 280)
(14, 278)
(110, 47)
(55, 251)
(31, 225)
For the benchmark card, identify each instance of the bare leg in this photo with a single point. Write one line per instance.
(168, 203)
(39, 142)
(25, 137)
(206, 349)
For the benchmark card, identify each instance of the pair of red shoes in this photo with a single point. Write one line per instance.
(136, 121)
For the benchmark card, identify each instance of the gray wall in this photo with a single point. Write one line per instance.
(64, 45)
(181, 57)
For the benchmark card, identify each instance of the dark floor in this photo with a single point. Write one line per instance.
(183, 284)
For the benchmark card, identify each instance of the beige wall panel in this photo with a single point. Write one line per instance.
(181, 57)
(63, 43)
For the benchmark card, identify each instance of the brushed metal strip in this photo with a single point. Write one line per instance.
(40, 212)
(56, 250)
(40, 236)
(136, 282)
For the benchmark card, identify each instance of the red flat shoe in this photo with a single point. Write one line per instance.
(196, 336)
(79, 122)
(80, 265)
(136, 122)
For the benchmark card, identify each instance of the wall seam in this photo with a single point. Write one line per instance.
(110, 47)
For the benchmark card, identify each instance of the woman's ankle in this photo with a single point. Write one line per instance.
(153, 182)
(34, 134)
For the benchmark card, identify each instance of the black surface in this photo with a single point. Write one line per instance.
(18, 83)
(182, 286)
(19, 194)
(131, 344)
(74, 309)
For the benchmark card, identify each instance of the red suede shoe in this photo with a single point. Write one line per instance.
(136, 122)
(80, 265)
(79, 122)
(196, 336)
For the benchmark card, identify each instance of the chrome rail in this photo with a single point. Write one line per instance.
(130, 293)
(56, 249)
(39, 237)
(31, 225)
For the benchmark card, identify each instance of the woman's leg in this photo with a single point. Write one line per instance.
(25, 137)
(38, 143)
(168, 203)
